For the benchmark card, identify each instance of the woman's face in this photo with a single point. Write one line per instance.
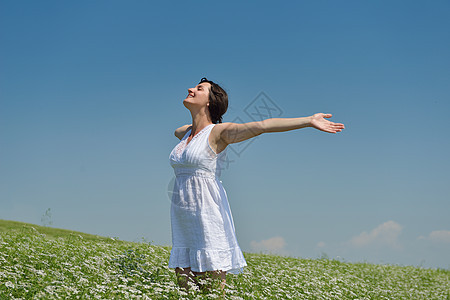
(198, 96)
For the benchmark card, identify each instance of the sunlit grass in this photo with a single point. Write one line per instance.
(46, 263)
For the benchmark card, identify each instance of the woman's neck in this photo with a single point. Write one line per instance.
(199, 121)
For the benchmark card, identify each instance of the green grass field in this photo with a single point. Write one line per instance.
(48, 263)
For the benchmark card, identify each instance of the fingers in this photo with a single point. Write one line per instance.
(334, 130)
(335, 127)
(328, 126)
(329, 116)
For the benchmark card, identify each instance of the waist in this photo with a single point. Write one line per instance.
(179, 172)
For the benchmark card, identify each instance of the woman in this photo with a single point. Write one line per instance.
(203, 235)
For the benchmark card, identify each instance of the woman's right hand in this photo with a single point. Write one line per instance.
(318, 121)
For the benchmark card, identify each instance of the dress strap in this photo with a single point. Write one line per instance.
(187, 131)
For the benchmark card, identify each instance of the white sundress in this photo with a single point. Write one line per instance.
(203, 234)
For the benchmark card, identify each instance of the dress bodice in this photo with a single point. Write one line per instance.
(197, 157)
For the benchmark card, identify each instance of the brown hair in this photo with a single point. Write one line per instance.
(218, 101)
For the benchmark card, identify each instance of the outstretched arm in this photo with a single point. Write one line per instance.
(235, 133)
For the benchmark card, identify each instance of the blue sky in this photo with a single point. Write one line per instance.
(91, 92)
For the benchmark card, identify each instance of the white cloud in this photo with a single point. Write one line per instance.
(321, 244)
(440, 236)
(385, 234)
(437, 236)
(274, 245)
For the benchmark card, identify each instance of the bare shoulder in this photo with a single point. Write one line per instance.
(181, 131)
(215, 137)
(229, 133)
(219, 129)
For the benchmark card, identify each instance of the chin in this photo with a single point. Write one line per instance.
(186, 103)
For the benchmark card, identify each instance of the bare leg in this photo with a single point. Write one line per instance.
(213, 276)
(184, 275)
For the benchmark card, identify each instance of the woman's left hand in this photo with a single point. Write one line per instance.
(318, 121)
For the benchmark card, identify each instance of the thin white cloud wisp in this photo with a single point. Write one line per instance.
(274, 245)
(386, 234)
